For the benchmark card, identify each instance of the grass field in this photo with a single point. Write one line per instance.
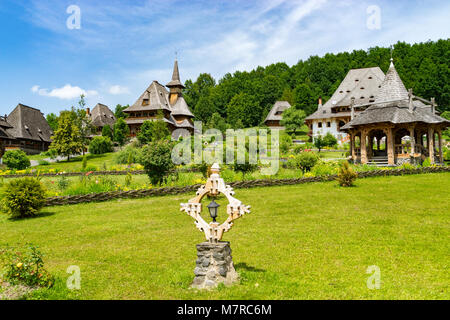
(312, 241)
(74, 164)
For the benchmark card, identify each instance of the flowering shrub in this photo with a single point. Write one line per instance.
(25, 268)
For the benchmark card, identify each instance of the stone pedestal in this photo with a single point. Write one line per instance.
(214, 266)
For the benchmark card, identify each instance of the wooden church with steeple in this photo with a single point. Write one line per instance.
(157, 99)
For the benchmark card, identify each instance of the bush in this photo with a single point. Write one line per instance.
(107, 132)
(51, 153)
(323, 169)
(306, 160)
(244, 168)
(426, 163)
(100, 145)
(23, 197)
(446, 153)
(285, 143)
(157, 160)
(43, 162)
(63, 183)
(203, 167)
(16, 159)
(346, 175)
(329, 140)
(298, 149)
(127, 154)
(25, 268)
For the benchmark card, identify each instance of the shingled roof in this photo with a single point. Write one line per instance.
(392, 105)
(278, 108)
(395, 112)
(180, 108)
(101, 116)
(4, 126)
(157, 97)
(392, 87)
(175, 77)
(28, 123)
(361, 84)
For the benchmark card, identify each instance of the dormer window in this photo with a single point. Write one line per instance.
(145, 102)
(26, 127)
(370, 78)
(356, 80)
(39, 130)
(362, 97)
(341, 91)
(362, 88)
(348, 91)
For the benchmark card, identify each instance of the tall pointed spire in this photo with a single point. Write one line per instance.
(175, 77)
(392, 87)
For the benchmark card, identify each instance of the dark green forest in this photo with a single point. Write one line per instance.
(243, 99)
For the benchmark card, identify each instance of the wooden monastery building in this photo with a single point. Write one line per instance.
(360, 84)
(274, 117)
(24, 128)
(156, 98)
(101, 116)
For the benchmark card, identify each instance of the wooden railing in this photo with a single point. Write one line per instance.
(402, 149)
(421, 149)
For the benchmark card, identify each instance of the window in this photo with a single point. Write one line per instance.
(328, 124)
(370, 78)
(320, 125)
(145, 102)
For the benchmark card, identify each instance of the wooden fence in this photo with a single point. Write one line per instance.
(134, 194)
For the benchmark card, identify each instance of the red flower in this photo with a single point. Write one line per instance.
(89, 173)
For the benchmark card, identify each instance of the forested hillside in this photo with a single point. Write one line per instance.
(245, 98)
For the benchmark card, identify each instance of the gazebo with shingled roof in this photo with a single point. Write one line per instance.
(406, 128)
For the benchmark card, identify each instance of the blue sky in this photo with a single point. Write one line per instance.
(124, 45)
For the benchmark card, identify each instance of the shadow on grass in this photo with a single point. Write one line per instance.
(244, 266)
(39, 215)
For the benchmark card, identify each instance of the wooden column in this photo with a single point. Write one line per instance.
(363, 147)
(441, 157)
(430, 137)
(352, 146)
(413, 141)
(370, 149)
(390, 146)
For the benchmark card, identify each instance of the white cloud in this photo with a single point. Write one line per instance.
(65, 93)
(117, 89)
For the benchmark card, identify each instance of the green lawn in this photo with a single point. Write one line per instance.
(74, 164)
(311, 241)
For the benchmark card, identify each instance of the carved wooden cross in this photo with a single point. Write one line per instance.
(213, 187)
